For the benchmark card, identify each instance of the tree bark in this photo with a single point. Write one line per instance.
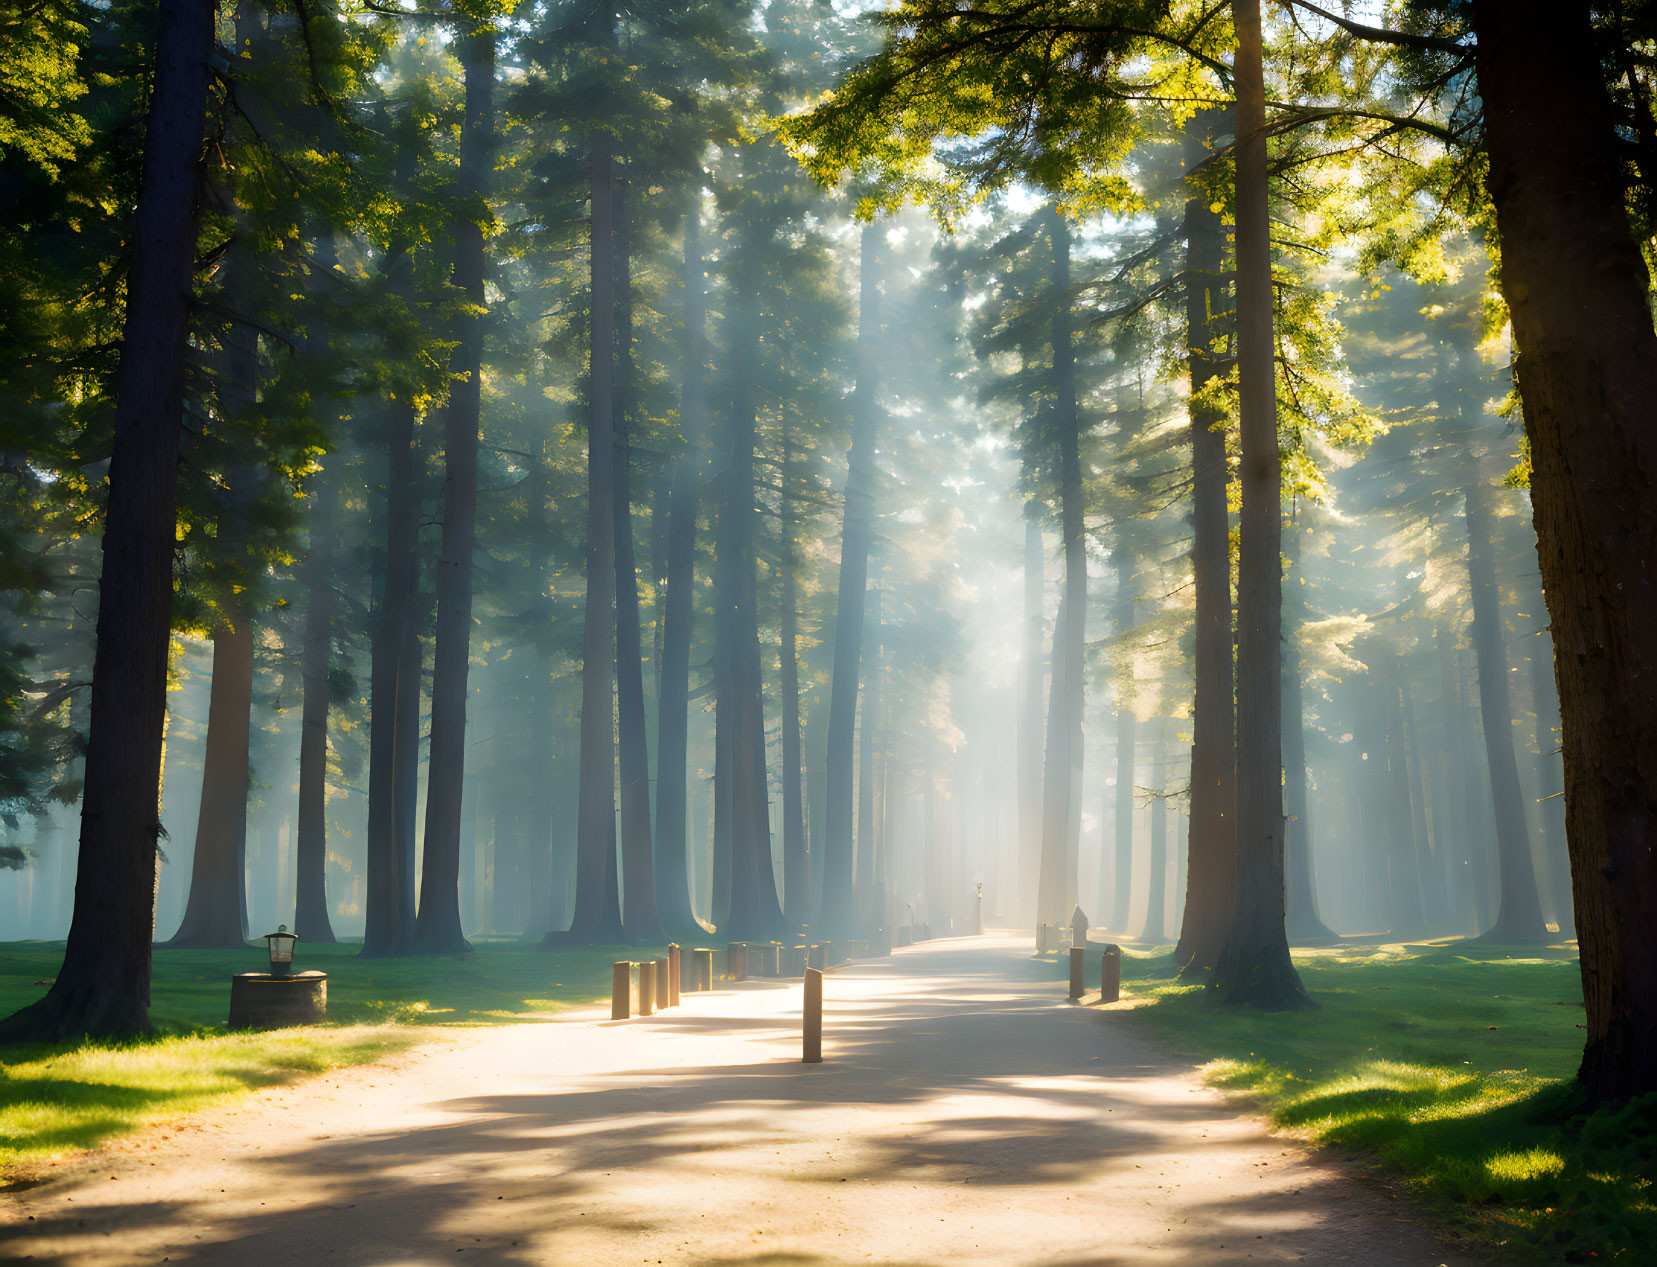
(1154, 931)
(311, 921)
(1519, 909)
(1254, 968)
(796, 871)
(395, 670)
(1576, 285)
(103, 986)
(1126, 743)
(1403, 856)
(437, 930)
(1305, 927)
(755, 911)
(1550, 782)
(596, 918)
(856, 539)
(869, 739)
(1062, 773)
(1031, 716)
(215, 916)
(679, 615)
(1211, 851)
(639, 917)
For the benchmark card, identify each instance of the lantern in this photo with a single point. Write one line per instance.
(281, 951)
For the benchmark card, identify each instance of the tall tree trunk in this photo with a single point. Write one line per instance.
(216, 914)
(394, 706)
(1550, 782)
(597, 915)
(869, 739)
(103, 985)
(639, 917)
(1576, 284)
(1031, 717)
(755, 911)
(1211, 855)
(1254, 967)
(856, 539)
(1154, 931)
(1403, 859)
(1519, 913)
(673, 694)
(1126, 743)
(395, 668)
(1062, 773)
(311, 920)
(796, 870)
(438, 930)
(1304, 925)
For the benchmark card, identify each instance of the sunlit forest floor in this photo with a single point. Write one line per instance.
(1448, 1063)
(54, 1100)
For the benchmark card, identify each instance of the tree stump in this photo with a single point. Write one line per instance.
(259, 1000)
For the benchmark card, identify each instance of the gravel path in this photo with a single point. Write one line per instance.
(965, 1113)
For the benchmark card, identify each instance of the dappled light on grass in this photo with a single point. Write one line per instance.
(1450, 1064)
(55, 1101)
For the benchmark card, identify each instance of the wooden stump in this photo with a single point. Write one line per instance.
(261, 1001)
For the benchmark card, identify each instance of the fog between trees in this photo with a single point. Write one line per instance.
(600, 517)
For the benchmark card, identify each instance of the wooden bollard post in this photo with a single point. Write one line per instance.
(813, 1018)
(701, 968)
(664, 989)
(676, 966)
(647, 987)
(621, 990)
(1110, 975)
(1076, 953)
(736, 961)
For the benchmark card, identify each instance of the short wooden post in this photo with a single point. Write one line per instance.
(1041, 939)
(621, 990)
(1076, 953)
(676, 966)
(647, 987)
(813, 1018)
(736, 961)
(664, 989)
(701, 968)
(1110, 975)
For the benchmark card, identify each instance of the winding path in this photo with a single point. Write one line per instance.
(964, 1114)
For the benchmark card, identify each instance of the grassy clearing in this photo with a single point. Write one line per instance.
(54, 1100)
(76, 1097)
(1450, 1065)
(499, 982)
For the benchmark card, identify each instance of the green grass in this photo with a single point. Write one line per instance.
(63, 1099)
(1449, 1065)
(56, 1099)
(500, 982)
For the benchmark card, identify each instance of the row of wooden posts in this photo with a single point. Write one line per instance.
(641, 988)
(645, 987)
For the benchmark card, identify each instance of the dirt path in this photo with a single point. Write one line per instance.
(964, 1114)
